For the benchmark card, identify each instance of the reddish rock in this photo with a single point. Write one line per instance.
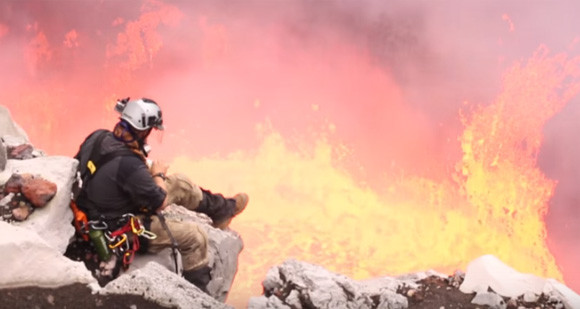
(20, 152)
(14, 183)
(38, 191)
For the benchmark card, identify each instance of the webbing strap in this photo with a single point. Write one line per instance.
(174, 244)
(96, 160)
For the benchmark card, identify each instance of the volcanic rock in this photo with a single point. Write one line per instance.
(3, 155)
(21, 212)
(14, 183)
(38, 191)
(295, 284)
(20, 152)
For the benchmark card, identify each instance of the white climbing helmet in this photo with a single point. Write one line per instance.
(141, 114)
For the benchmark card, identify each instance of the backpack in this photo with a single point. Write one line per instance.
(90, 160)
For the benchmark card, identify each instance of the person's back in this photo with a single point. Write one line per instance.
(122, 185)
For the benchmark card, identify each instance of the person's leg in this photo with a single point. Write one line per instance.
(192, 242)
(182, 191)
(216, 206)
(223, 209)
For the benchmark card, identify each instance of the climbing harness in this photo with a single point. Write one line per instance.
(124, 241)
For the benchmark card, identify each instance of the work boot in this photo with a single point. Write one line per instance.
(241, 203)
(199, 277)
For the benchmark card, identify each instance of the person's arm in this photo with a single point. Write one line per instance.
(146, 192)
(158, 172)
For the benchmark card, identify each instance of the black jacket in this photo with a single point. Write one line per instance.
(121, 185)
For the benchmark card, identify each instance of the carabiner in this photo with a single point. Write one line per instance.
(94, 225)
(128, 258)
(148, 234)
(123, 239)
(136, 227)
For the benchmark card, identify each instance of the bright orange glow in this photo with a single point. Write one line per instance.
(305, 207)
(354, 157)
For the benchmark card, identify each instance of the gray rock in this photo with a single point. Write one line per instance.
(224, 250)
(530, 297)
(11, 141)
(490, 299)
(270, 302)
(9, 127)
(173, 292)
(3, 156)
(392, 300)
(29, 260)
(297, 284)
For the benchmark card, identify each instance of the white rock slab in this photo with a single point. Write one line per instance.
(489, 272)
(28, 260)
(156, 283)
(52, 222)
(8, 126)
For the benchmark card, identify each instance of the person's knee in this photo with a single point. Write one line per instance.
(193, 246)
(191, 237)
(182, 191)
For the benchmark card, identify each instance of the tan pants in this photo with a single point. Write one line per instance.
(191, 239)
(182, 191)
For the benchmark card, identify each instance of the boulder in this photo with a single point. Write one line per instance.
(9, 127)
(53, 222)
(38, 191)
(489, 273)
(3, 155)
(296, 284)
(153, 282)
(20, 152)
(224, 249)
(29, 260)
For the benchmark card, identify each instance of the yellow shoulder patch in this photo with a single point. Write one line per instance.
(91, 166)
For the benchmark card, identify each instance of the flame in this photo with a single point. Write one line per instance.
(341, 168)
(140, 40)
(303, 206)
(39, 50)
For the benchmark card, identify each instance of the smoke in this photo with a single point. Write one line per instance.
(387, 79)
(559, 160)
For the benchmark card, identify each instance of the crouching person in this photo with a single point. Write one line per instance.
(118, 186)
